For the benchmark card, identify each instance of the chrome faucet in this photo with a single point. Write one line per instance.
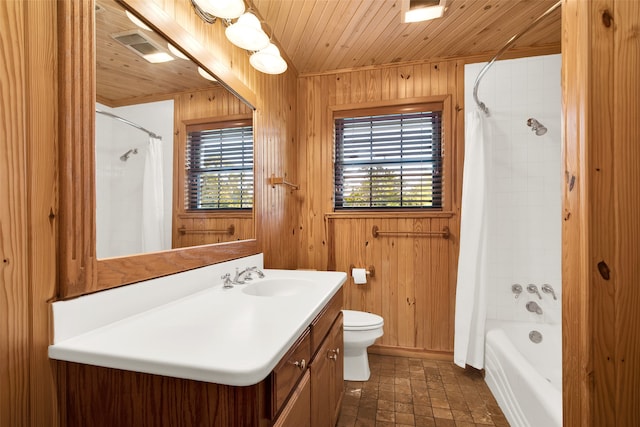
(244, 275)
(547, 289)
(533, 289)
(533, 307)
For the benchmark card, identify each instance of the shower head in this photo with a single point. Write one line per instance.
(536, 127)
(128, 154)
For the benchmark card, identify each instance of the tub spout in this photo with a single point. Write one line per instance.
(533, 307)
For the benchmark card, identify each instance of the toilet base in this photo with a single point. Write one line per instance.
(356, 365)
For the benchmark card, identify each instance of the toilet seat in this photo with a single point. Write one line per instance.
(361, 321)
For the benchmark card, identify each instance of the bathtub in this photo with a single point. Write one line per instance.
(524, 377)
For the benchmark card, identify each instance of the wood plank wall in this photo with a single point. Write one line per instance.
(414, 284)
(601, 265)
(28, 206)
(212, 104)
(274, 137)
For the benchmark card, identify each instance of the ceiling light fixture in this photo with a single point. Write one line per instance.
(206, 75)
(137, 21)
(226, 9)
(268, 60)
(421, 10)
(176, 52)
(247, 33)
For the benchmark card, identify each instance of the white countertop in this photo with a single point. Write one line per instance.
(216, 335)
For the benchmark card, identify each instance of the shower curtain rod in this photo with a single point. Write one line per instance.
(123, 120)
(507, 45)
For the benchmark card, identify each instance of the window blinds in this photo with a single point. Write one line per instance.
(389, 161)
(219, 168)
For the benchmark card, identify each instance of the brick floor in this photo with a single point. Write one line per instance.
(419, 392)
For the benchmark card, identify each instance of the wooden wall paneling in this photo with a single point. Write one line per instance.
(41, 167)
(398, 292)
(373, 258)
(626, 132)
(14, 249)
(576, 317)
(602, 215)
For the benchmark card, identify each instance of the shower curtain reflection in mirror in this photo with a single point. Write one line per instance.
(133, 193)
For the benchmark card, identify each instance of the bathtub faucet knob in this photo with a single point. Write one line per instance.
(533, 289)
(547, 289)
(516, 289)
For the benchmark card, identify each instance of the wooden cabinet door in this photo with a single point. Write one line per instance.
(296, 412)
(336, 336)
(327, 378)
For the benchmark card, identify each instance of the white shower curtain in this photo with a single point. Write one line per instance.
(472, 272)
(152, 198)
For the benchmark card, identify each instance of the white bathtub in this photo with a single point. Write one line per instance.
(524, 377)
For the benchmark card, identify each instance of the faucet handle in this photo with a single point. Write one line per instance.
(226, 281)
(516, 289)
(548, 289)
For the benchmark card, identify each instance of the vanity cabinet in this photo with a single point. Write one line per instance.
(303, 390)
(327, 384)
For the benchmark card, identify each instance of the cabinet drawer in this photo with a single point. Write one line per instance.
(322, 323)
(287, 373)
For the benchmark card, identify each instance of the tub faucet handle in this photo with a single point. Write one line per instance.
(516, 289)
(533, 289)
(548, 289)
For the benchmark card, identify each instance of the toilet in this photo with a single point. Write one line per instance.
(360, 331)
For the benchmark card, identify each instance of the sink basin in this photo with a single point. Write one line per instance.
(277, 287)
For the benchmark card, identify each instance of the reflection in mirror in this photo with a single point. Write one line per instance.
(147, 92)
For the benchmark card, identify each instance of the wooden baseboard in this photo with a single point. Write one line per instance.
(411, 352)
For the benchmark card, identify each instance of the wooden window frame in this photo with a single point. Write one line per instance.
(443, 103)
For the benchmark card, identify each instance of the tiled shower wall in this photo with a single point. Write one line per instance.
(524, 178)
(119, 184)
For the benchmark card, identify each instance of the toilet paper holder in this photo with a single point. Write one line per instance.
(370, 271)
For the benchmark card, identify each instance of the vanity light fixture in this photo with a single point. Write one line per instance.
(421, 10)
(137, 21)
(206, 75)
(247, 33)
(268, 60)
(176, 52)
(225, 9)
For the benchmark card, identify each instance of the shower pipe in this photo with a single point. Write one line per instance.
(507, 45)
(445, 233)
(123, 120)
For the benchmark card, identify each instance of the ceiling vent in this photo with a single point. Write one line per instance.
(139, 43)
(421, 10)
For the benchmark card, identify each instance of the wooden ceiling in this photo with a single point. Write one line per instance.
(319, 36)
(125, 78)
(323, 35)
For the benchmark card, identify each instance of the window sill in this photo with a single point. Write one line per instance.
(216, 214)
(389, 214)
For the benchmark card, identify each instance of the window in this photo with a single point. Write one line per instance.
(219, 166)
(389, 158)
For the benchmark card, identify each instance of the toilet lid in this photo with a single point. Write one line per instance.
(359, 320)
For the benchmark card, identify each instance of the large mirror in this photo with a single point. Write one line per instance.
(151, 98)
(80, 269)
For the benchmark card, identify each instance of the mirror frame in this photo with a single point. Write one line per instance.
(80, 272)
